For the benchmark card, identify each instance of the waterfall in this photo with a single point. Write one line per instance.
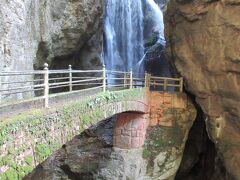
(124, 35)
(158, 20)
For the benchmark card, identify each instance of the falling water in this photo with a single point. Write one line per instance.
(158, 27)
(158, 20)
(124, 35)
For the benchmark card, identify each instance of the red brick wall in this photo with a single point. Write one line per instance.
(130, 130)
(161, 105)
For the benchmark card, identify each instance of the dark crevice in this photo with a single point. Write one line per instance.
(41, 56)
(200, 159)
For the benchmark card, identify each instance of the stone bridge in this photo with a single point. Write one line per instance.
(29, 138)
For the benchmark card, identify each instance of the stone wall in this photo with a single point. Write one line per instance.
(28, 139)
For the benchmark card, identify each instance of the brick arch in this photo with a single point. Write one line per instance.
(132, 121)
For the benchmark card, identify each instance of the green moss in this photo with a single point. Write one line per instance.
(5, 160)
(26, 170)
(8, 161)
(11, 149)
(29, 160)
(42, 151)
(146, 154)
(55, 146)
(11, 174)
(12, 125)
(161, 139)
(16, 173)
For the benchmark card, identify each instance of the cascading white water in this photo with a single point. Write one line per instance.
(158, 20)
(124, 42)
(158, 26)
(124, 35)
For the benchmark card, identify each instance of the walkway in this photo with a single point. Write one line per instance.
(21, 90)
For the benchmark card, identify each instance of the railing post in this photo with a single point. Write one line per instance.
(125, 80)
(181, 84)
(149, 80)
(146, 77)
(70, 78)
(131, 79)
(104, 78)
(1, 87)
(46, 85)
(165, 85)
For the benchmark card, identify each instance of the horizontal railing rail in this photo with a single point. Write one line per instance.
(164, 83)
(42, 83)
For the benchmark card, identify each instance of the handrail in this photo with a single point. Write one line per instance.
(162, 78)
(17, 92)
(120, 72)
(87, 80)
(18, 82)
(24, 87)
(21, 73)
(43, 82)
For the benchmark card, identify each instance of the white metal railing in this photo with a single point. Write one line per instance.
(41, 83)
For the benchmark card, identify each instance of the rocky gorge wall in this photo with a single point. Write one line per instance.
(203, 45)
(34, 32)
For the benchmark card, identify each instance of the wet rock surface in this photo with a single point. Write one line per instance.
(204, 42)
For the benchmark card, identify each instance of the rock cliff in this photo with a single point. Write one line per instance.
(33, 32)
(204, 41)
